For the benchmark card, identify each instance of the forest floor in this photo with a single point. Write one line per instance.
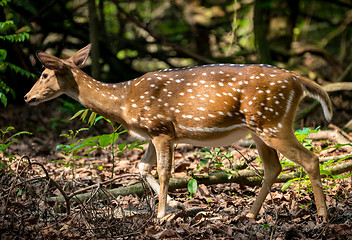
(215, 211)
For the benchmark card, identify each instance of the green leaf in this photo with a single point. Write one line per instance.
(19, 70)
(3, 3)
(114, 137)
(140, 144)
(132, 145)
(340, 176)
(338, 145)
(287, 184)
(207, 150)
(92, 118)
(98, 118)
(61, 146)
(3, 99)
(3, 55)
(122, 146)
(105, 140)
(19, 133)
(204, 161)
(81, 146)
(91, 139)
(92, 149)
(84, 114)
(265, 225)
(192, 186)
(77, 114)
(325, 172)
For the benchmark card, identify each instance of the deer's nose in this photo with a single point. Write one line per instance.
(29, 99)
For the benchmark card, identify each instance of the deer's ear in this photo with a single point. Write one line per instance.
(80, 57)
(50, 62)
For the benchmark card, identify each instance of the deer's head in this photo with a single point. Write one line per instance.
(57, 77)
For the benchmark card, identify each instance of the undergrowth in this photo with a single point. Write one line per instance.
(105, 142)
(212, 160)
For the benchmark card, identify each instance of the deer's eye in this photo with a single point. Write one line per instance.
(44, 75)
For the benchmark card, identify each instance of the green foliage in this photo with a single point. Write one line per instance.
(303, 179)
(16, 69)
(8, 26)
(84, 112)
(213, 160)
(106, 142)
(75, 144)
(3, 3)
(9, 32)
(329, 177)
(5, 142)
(68, 106)
(265, 225)
(73, 148)
(57, 122)
(5, 90)
(302, 135)
(192, 186)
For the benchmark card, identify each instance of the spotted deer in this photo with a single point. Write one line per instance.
(210, 105)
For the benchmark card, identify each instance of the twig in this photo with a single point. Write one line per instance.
(102, 183)
(13, 184)
(51, 181)
(336, 134)
(348, 137)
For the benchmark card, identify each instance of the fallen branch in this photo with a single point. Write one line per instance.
(335, 158)
(244, 177)
(335, 134)
(338, 86)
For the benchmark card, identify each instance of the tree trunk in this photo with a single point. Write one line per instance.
(261, 23)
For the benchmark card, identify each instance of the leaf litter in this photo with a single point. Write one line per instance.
(213, 212)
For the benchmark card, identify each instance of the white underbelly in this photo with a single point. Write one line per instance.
(225, 140)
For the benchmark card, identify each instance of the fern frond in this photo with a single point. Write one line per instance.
(19, 70)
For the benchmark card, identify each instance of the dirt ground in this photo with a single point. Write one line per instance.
(216, 211)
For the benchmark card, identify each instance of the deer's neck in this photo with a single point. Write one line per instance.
(107, 100)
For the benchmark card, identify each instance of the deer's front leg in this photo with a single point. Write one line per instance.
(145, 166)
(164, 152)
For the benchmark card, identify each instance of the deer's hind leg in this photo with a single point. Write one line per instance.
(272, 169)
(288, 145)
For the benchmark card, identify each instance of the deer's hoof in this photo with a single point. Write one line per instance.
(251, 215)
(175, 204)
